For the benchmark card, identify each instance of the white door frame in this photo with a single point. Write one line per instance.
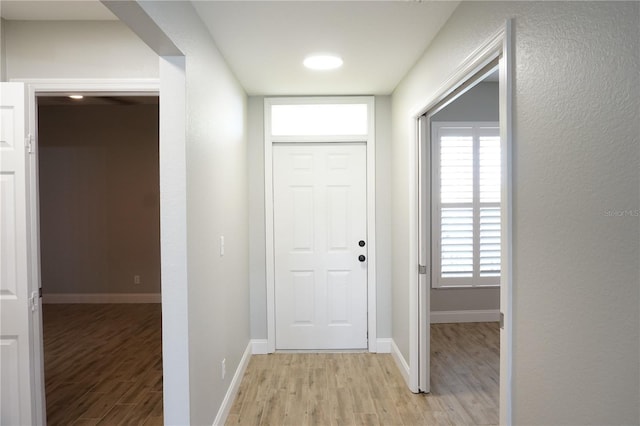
(499, 46)
(172, 173)
(369, 140)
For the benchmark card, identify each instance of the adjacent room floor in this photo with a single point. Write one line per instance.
(361, 388)
(103, 364)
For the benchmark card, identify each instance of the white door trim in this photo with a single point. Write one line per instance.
(172, 210)
(369, 139)
(497, 46)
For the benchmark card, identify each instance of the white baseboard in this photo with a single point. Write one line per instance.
(400, 362)
(384, 345)
(234, 386)
(259, 347)
(102, 298)
(488, 315)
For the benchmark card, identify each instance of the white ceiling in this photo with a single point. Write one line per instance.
(265, 42)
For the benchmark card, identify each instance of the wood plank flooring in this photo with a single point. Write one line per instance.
(103, 364)
(367, 389)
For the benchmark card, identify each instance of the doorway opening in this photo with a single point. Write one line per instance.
(464, 164)
(98, 199)
(474, 254)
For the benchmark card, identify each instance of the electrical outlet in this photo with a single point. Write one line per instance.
(223, 370)
(136, 279)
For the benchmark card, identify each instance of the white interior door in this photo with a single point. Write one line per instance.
(320, 247)
(18, 401)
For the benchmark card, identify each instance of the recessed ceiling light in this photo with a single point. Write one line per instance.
(76, 96)
(323, 62)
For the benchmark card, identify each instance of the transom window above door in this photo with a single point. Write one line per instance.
(319, 119)
(290, 119)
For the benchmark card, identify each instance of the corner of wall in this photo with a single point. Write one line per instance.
(401, 362)
(175, 330)
(257, 267)
(383, 216)
(214, 203)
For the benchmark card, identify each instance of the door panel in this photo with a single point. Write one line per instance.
(319, 218)
(17, 401)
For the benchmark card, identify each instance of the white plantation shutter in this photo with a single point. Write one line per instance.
(456, 168)
(490, 241)
(457, 242)
(489, 189)
(466, 204)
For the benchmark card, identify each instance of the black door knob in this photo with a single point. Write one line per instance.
(361, 243)
(361, 258)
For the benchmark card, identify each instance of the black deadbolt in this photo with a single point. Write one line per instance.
(361, 258)
(361, 243)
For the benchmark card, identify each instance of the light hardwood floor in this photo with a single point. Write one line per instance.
(367, 389)
(103, 364)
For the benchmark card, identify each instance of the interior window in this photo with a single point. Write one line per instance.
(466, 199)
(319, 119)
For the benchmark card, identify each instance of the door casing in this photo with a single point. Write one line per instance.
(369, 140)
(170, 171)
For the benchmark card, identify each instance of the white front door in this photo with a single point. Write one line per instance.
(320, 228)
(18, 401)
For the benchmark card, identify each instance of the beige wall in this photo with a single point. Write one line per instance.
(576, 281)
(3, 55)
(79, 49)
(99, 189)
(480, 103)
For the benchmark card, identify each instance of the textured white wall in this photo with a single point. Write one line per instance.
(217, 204)
(257, 219)
(576, 152)
(79, 49)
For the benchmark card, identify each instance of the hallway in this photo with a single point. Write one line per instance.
(368, 389)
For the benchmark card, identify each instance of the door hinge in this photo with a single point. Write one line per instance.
(422, 269)
(29, 143)
(33, 300)
(40, 292)
(501, 320)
